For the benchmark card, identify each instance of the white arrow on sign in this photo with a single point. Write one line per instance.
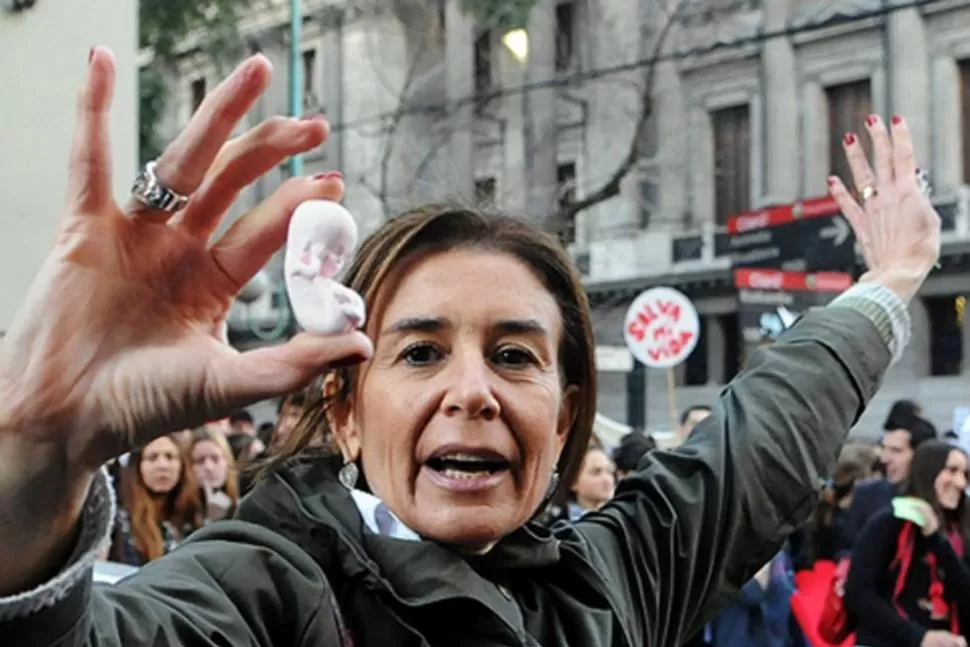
(839, 231)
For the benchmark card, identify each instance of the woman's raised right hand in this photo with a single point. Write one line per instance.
(117, 340)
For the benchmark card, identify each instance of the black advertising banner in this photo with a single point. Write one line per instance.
(770, 300)
(807, 236)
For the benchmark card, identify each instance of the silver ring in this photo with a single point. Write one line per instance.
(150, 191)
(923, 182)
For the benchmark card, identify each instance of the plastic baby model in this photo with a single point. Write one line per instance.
(321, 236)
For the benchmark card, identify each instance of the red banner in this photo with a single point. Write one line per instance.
(780, 215)
(757, 279)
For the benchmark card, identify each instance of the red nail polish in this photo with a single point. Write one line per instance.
(90, 54)
(830, 180)
(849, 139)
(871, 120)
(329, 175)
(897, 120)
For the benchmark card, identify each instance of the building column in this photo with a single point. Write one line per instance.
(909, 75)
(460, 74)
(781, 153)
(541, 127)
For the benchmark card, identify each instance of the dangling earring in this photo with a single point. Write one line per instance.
(553, 484)
(348, 475)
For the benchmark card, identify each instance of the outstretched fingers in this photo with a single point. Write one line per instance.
(855, 214)
(242, 161)
(276, 370)
(250, 242)
(904, 159)
(89, 172)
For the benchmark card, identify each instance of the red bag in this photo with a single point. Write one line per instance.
(834, 623)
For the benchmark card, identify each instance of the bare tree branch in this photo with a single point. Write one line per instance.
(611, 188)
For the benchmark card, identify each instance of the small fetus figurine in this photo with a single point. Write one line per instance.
(321, 236)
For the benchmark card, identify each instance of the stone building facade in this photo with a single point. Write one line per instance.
(749, 102)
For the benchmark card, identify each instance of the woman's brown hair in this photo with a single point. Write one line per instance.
(432, 230)
(181, 506)
(231, 486)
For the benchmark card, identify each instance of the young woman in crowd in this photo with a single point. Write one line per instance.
(909, 584)
(158, 503)
(594, 483)
(215, 471)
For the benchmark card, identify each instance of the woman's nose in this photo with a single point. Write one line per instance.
(469, 390)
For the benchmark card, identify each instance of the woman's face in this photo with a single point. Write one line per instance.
(210, 464)
(951, 482)
(596, 480)
(161, 465)
(461, 415)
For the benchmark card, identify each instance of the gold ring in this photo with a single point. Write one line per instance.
(867, 192)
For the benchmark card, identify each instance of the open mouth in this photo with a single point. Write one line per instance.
(461, 465)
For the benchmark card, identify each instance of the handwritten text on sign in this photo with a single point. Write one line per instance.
(661, 328)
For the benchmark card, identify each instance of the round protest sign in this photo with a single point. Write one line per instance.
(661, 328)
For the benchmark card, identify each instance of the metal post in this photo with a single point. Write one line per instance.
(296, 75)
(636, 396)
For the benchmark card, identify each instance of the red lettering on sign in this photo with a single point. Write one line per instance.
(672, 346)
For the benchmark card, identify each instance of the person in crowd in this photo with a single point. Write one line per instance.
(761, 615)
(215, 472)
(831, 539)
(901, 414)
(219, 426)
(594, 484)
(909, 585)
(633, 446)
(265, 433)
(897, 448)
(158, 503)
(454, 418)
(241, 422)
(290, 412)
(690, 418)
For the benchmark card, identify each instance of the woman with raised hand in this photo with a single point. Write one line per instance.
(455, 418)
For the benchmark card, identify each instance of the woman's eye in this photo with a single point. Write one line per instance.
(421, 354)
(512, 356)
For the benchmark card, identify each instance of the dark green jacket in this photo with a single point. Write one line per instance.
(689, 528)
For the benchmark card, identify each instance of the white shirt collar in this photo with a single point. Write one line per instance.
(379, 518)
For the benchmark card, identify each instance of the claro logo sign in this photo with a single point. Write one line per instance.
(755, 221)
(766, 281)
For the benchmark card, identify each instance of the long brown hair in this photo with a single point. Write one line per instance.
(435, 229)
(928, 461)
(180, 508)
(231, 486)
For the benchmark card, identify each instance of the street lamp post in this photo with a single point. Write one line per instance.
(296, 75)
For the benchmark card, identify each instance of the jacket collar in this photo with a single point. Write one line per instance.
(415, 573)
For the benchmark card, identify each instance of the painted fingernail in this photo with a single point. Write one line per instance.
(329, 175)
(315, 117)
(91, 54)
(848, 138)
(871, 120)
(897, 120)
(830, 180)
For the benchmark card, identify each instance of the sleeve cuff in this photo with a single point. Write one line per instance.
(97, 519)
(884, 309)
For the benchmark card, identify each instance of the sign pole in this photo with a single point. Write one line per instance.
(672, 398)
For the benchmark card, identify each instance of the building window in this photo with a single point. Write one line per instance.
(848, 104)
(946, 315)
(565, 35)
(566, 180)
(965, 116)
(485, 192)
(198, 91)
(309, 71)
(732, 161)
(483, 63)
